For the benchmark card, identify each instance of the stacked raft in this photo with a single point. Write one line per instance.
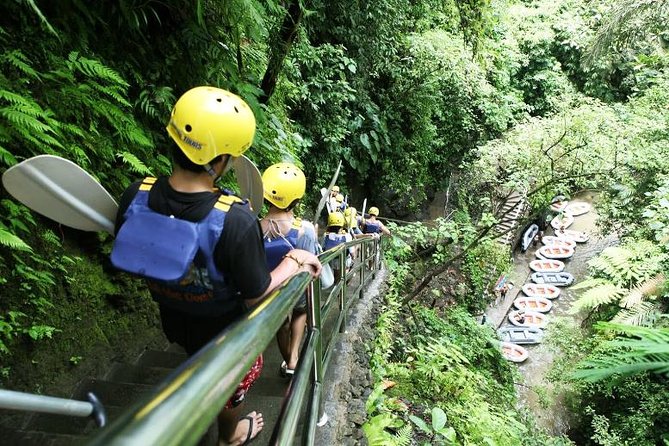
(529, 316)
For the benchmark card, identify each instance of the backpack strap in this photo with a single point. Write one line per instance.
(225, 201)
(147, 183)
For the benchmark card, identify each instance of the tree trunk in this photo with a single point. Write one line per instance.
(280, 49)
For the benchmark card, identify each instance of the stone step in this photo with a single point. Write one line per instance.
(114, 396)
(36, 438)
(130, 373)
(161, 358)
(111, 393)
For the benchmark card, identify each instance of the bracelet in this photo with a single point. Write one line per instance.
(299, 264)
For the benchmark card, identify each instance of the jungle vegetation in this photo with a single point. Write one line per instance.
(472, 97)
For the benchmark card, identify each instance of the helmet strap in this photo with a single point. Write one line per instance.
(227, 164)
(210, 170)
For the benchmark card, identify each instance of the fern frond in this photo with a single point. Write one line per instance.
(597, 296)
(134, 163)
(111, 91)
(19, 61)
(6, 157)
(647, 288)
(642, 314)
(588, 283)
(643, 350)
(14, 98)
(403, 436)
(10, 240)
(94, 68)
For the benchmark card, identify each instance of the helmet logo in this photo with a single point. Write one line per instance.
(192, 143)
(185, 138)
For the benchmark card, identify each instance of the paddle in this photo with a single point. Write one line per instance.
(250, 182)
(62, 191)
(326, 197)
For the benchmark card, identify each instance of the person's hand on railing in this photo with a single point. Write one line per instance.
(306, 261)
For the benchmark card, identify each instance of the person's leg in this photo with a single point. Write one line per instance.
(283, 339)
(231, 429)
(297, 327)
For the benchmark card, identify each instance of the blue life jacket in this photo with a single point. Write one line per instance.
(176, 257)
(332, 240)
(371, 228)
(276, 248)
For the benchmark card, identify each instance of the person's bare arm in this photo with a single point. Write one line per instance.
(295, 261)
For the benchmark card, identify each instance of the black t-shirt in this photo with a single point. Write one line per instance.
(240, 252)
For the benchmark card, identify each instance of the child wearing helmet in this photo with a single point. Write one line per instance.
(335, 235)
(284, 185)
(351, 226)
(372, 225)
(332, 203)
(202, 284)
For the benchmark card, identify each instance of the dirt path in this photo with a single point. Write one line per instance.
(552, 416)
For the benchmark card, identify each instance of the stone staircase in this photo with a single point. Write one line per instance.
(510, 213)
(122, 385)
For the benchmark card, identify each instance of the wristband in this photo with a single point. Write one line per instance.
(299, 264)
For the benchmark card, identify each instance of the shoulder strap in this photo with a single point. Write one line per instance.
(225, 201)
(147, 183)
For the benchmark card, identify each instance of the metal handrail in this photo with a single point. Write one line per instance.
(182, 407)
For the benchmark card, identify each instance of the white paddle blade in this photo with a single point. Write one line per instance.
(62, 191)
(249, 181)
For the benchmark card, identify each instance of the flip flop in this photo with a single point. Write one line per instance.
(250, 434)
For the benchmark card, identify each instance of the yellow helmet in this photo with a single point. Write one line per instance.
(207, 122)
(335, 189)
(351, 217)
(373, 211)
(283, 183)
(335, 219)
(339, 198)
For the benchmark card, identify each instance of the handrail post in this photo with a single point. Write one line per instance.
(342, 291)
(314, 321)
(363, 270)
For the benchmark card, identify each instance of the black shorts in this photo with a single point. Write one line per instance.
(193, 332)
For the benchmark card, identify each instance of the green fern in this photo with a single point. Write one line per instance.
(648, 288)
(638, 350)
(588, 283)
(403, 436)
(641, 314)
(10, 240)
(597, 296)
(134, 163)
(94, 68)
(19, 61)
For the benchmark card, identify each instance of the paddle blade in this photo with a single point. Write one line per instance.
(326, 196)
(62, 191)
(249, 181)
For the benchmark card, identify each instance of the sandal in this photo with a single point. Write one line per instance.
(286, 372)
(252, 434)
